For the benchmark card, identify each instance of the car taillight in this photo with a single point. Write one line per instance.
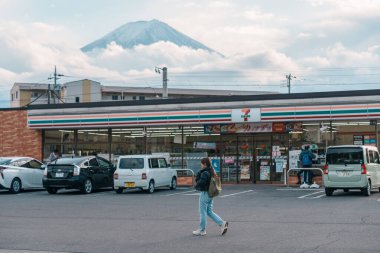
(326, 169)
(115, 176)
(76, 170)
(364, 169)
(143, 176)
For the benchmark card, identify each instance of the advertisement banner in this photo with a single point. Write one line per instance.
(239, 128)
(204, 145)
(278, 127)
(294, 156)
(264, 173)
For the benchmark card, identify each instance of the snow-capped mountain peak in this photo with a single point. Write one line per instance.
(144, 33)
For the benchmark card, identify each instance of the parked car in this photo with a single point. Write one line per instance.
(18, 173)
(145, 172)
(83, 173)
(351, 167)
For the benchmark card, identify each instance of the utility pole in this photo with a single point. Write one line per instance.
(165, 92)
(289, 78)
(55, 77)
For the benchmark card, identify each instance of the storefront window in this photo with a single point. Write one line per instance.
(93, 141)
(128, 141)
(61, 140)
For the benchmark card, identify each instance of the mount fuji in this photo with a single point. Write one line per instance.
(145, 33)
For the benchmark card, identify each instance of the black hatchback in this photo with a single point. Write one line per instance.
(83, 173)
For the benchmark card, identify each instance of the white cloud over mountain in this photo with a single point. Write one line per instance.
(260, 44)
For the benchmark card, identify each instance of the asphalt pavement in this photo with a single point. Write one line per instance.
(262, 218)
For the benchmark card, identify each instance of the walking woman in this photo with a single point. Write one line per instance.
(205, 202)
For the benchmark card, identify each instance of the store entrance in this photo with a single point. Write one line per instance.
(237, 159)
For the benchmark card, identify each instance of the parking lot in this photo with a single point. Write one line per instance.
(262, 218)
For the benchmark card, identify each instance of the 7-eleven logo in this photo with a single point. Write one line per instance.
(245, 114)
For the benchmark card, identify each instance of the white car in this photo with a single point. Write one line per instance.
(18, 173)
(146, 172)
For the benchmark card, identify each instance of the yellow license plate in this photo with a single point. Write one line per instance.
(129, 184)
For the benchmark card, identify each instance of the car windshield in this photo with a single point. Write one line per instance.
(69, 160)
(344, 155)
(131, 163)
(5, 161)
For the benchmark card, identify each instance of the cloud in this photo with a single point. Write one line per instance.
(256, 14)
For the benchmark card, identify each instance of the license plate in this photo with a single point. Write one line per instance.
(345, 173)
(59, 174)
(129, 184)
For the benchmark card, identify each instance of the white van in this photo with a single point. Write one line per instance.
(351, 167)
(146, 172)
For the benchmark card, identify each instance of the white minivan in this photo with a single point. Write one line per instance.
(146, 172)
(351, 167)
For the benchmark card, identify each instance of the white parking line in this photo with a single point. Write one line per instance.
(307, 195)
(297, 189)
(179, 193)
(233, 194)
(320, 196)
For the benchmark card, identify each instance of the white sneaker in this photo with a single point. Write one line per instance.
(304, 186)
(224, 227)
(199, 232)
(314, 186)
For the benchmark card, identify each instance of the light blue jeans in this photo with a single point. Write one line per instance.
(205, 209)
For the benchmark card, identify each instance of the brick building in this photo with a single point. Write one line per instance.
(16, 139)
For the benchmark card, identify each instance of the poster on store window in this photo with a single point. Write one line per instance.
(294, 156)
(244, 174)
(264, 173)
(279, 167)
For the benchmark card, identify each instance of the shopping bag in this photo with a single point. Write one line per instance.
(215, 186)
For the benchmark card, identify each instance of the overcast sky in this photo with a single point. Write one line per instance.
(326, 44)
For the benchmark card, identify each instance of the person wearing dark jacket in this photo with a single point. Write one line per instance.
(202, 180)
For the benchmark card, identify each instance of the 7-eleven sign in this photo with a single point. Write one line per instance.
(246, 115)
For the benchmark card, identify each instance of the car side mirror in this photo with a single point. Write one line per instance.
(43, 167)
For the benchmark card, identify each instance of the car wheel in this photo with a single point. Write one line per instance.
(367, 190)
(87, 186)
(52, 190)
(119, 190)
(346, 190)
(329, 191)
(15, 186)
(151, 187)
(173, 185)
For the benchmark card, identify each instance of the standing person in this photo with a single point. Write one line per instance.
(202, 180)
(53, 156)
(306, 159)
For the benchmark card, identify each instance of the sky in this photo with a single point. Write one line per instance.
(326, 44)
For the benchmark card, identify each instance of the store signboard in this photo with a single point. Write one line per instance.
(246, 115)
(358, 140)
(370, 140)
(365, 140)
(239, 128)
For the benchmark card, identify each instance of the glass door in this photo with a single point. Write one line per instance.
(244, 158)
(262, 151)
(229, 162)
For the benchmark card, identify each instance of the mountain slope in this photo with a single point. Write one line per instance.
(144, 33)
